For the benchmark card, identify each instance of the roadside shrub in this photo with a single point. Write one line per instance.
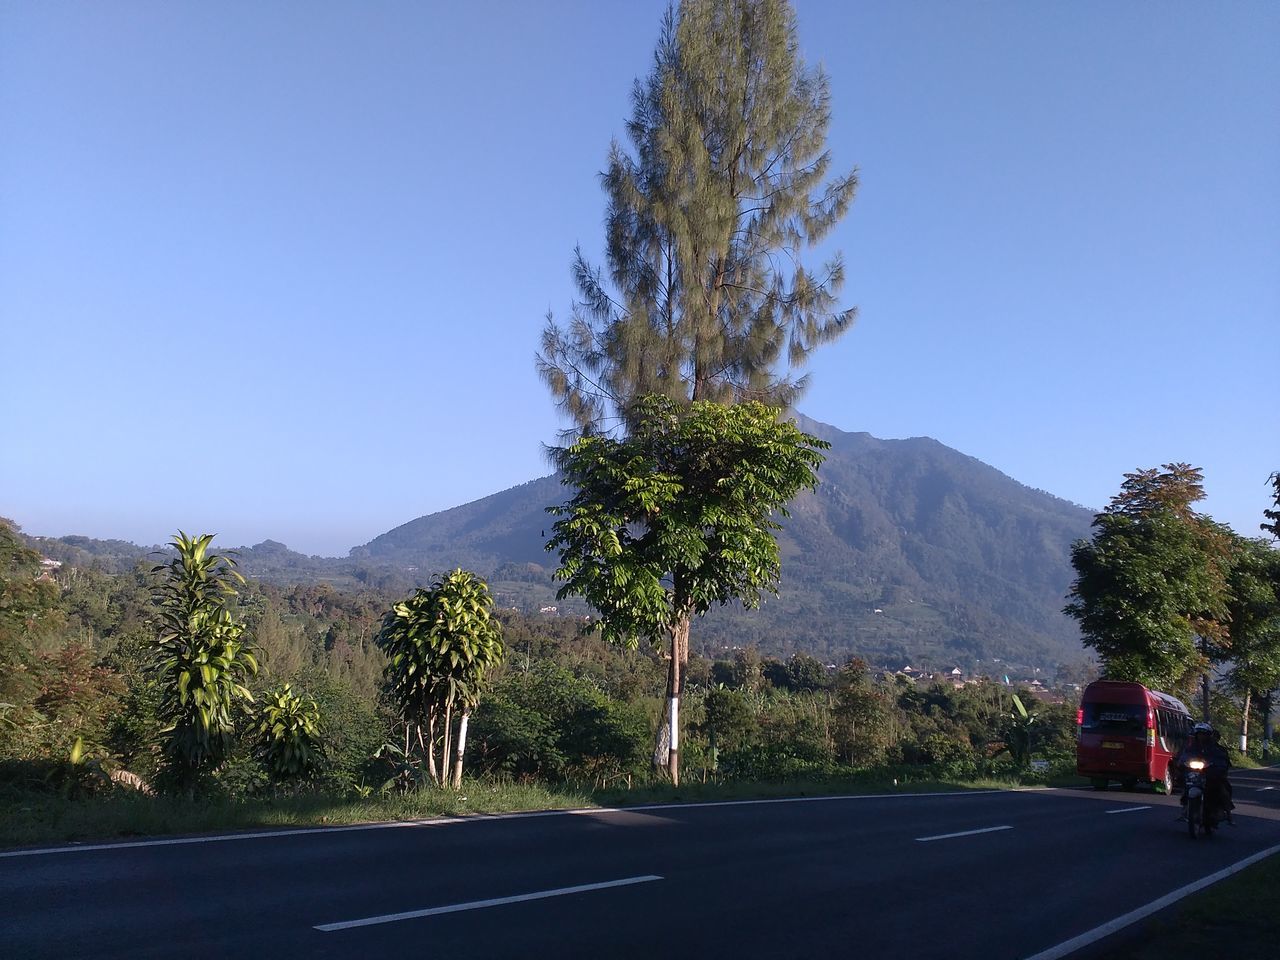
(552, 724)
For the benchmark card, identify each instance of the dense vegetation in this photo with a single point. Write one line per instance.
(81, 666)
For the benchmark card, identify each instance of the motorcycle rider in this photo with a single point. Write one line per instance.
(1203, 746)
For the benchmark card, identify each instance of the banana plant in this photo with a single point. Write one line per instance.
(1018, 729)
(201, 657)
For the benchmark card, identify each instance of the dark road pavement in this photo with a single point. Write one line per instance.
(1000, 875)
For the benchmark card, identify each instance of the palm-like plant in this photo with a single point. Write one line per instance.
(289, 726)
(201, 658)
(1019, 726)
(440, 644)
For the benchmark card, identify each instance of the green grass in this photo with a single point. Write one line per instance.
(39, 818)
(42, 818)
(1237, 918)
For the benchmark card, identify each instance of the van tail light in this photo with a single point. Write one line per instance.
(1080, 717)
(1151, 719)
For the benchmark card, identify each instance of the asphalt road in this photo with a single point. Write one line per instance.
(872, 877)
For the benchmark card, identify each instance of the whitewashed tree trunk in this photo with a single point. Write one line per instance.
(1244, 721)
(461, 749)
(667, 747)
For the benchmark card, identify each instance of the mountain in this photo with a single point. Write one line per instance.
(908, 551)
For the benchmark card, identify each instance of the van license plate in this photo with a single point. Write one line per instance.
(1112, 745)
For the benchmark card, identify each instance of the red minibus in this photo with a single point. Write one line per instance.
(1128, 733)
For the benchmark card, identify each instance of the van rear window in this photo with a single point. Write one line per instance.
(1122, 718)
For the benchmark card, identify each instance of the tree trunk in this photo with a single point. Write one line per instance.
(461, 748)
(1244, 722)
(444, 747)
(431, 747)
(1264, 707)
(680, 647)
(1204, 696)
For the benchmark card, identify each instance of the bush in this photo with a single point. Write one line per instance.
(552, 724)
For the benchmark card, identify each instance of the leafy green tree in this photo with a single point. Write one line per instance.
(806, 673)
(676, 517)
(289, 728)
(30, 615)
(201, 657)
(440, 645)
(1254, 613)
(1150, 592)
(859, 715)
(726, 184)
(747, 672)
(730, 722)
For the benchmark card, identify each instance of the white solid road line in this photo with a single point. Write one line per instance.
(1133, 916)
(478, 818)
(962, 833)
(1128, 809)
(481, 904)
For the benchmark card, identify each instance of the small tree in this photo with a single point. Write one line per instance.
(675, 518)
(201, 657)
(289, 726)
(860, 718)
(440, 645)
(1018, 729)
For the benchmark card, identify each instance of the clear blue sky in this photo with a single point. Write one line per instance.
(304, 250)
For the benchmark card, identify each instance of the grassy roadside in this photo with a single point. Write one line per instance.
(28, 819)
(1237, 918)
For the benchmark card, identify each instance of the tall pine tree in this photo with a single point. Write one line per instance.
(708, 216)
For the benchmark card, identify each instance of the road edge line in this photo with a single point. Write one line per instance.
(470, 818)
(1068, 947)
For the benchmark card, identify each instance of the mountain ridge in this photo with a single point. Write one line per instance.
(908, 551)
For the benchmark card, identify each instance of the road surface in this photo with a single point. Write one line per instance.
(997, 876)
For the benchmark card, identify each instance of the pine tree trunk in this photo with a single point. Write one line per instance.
(1244, 722)
(461, 748)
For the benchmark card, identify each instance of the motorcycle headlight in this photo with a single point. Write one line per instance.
(1196, 764)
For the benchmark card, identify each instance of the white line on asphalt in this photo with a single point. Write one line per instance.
(476, 818)
(1128, 809)
(1133, 916)
(1260, 789)
(962, 833)
(481, 904)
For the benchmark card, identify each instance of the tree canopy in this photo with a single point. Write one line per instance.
(677, 517)
(1151, 592)
(705, 296)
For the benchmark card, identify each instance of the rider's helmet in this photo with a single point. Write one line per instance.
(1203, 727)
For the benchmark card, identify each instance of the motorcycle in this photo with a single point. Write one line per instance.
(1202, 817)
